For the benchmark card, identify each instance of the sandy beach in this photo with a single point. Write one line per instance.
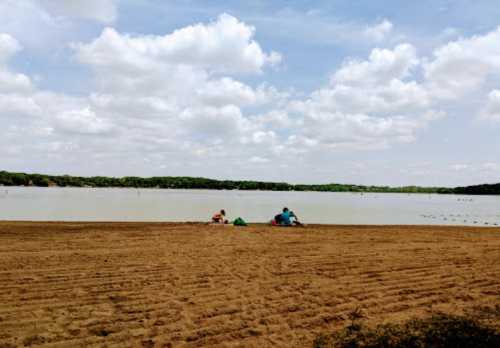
(192, 285)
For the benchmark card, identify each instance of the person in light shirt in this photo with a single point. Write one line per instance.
(220, 217)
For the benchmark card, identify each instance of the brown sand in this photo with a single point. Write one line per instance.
(191, 285)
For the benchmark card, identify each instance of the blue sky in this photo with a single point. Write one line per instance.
(369, 92)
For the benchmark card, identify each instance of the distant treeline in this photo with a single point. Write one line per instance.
(493, 189)
(170, 182)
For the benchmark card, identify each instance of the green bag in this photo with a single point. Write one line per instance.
(239, 222)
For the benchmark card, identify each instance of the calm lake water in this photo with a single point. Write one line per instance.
(89, 204)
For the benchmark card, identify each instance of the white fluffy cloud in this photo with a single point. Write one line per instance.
(357, 131)
(8, 47)
(379, 31)
(154, 95)
(213, 123)
(48, 25)
(9, 81)
(14, 105)
(229, 91)
(12, 82)
(382, 66)
(83, 121)
(492, 109)
(178, 84)
(368, 104)
(176, 87)
(394, 93)
(22, 18)
(223, 46)
(464, 65)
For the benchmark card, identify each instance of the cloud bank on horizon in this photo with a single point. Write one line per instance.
(218, 97)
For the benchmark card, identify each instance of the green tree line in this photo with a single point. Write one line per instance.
(176, 182)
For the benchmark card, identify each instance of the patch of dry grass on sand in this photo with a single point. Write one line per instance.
(191, 285)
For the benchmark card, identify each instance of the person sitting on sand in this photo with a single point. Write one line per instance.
(277, 220)
(220, 217)
(286, 218)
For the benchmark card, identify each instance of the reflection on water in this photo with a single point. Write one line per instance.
(92, 204)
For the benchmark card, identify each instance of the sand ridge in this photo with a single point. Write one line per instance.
(191, 285)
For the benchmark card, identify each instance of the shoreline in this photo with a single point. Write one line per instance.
(250, 224)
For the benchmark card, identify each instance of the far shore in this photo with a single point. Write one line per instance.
(185, 182)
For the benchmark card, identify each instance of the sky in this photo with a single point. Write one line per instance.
(362, 92)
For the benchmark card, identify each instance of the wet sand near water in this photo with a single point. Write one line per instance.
(192, 285)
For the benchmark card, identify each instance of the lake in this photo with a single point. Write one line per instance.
(123, 204)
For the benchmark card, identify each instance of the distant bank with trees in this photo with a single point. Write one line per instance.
(176, 182)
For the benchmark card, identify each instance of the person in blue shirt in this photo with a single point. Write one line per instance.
(285, 217)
